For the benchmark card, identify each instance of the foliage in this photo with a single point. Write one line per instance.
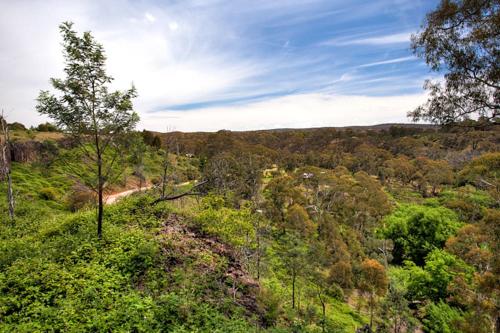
(434, 281)
(233, 226)
(294, 233)
(441, 318)
(460, 37)
(484, 173)
(47, 127)
(418, 230)
(395, 314)
(48, 193)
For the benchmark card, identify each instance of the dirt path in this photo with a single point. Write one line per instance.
(112, 198)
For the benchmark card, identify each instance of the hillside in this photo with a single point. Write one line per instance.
(298, 230)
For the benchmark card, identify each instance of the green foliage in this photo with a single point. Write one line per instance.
(434, 279)
(55, 276)
(232, 226)
(47, 127)
(418, 230)
(441, 318)
(190, 265)
(459, 37)
(48, 193)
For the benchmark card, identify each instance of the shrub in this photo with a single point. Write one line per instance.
(48, 193)
(417, 230)
(441, 318)
(80, 197)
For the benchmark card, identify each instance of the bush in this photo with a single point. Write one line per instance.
(417, 230)
(441, 318)
(80, 198)
(47, 127)
(48, 193)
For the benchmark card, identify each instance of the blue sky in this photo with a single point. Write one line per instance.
(208, 65)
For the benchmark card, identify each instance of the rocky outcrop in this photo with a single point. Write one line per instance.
(25, 151)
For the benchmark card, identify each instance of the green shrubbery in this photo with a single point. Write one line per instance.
(417, 230)
(59, 277)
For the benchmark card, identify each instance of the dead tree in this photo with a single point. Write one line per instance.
(5, 165)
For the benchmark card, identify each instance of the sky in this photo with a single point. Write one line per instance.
(206, 65)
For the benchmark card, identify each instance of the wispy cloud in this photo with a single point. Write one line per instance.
(375, 40)
(386, 62)
(200, 56)
(294, 111)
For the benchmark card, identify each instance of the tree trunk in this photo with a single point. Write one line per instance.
(10, 196)
(323, 307)
(164, 180)
(100, 189)
(257, 234)
(371, 311)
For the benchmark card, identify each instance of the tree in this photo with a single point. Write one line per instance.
(444, 275)
(462, 37)
(440, 317)
(395, 314)
(401, 168)
(484, 172)
(46, 127)
(5, 172)
(417, 230)
(373, 281)
(85, 109)
(137, 148)
(294, 259)
(434, 173)
(299, 221)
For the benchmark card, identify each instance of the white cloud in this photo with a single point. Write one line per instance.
(386, 62)
(149, 17)
(173, 26)
(295, 111)
(377, 40)
(166, 67)
(195, 51)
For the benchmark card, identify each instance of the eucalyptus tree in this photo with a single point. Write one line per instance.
(461, 39)
(88, 112)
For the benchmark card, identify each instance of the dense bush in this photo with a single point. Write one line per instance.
(417, 230)
(441, 318)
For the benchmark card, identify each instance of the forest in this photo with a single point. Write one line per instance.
(394, 227)
(390, 228)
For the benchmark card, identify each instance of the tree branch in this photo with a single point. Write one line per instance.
(177, 196)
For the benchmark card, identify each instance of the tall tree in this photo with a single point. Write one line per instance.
(87, 111)
(462, 38)
(373, 281)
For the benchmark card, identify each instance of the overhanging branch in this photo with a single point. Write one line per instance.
(178, 196)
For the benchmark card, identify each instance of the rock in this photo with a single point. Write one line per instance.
(25, 152)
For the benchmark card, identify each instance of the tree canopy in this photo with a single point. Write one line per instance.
(461, 38)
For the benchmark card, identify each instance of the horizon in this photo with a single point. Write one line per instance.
(214, 65)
